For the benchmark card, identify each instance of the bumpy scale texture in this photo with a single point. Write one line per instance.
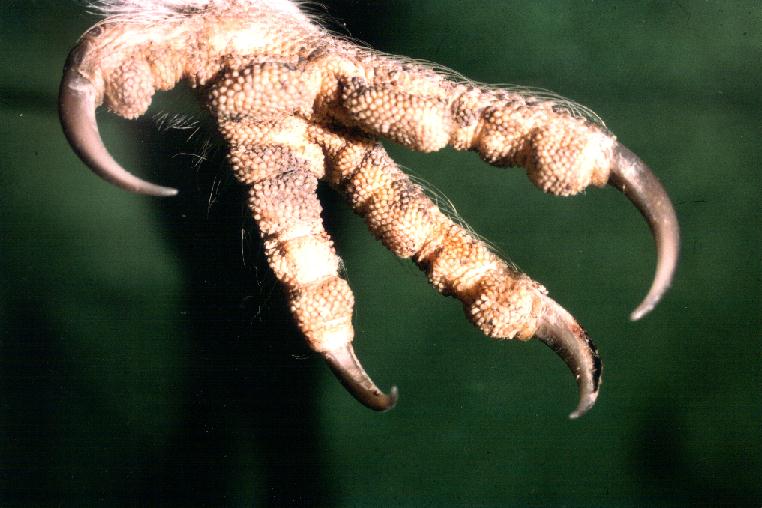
(297, 104)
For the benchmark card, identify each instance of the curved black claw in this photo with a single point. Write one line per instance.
(631, 176)
(561, 332)
(76, 108)
(345, 365)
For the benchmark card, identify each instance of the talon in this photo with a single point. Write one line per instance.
(345, 365)
(631, 176)
(76, 108)
(330, 124)
(561, 332)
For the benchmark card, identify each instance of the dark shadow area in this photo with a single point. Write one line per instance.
(665, 476)
(253, 381)
(361, 19)
(248, 407)
(252, 378)
(33, 373)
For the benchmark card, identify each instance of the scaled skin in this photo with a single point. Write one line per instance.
(297, 105)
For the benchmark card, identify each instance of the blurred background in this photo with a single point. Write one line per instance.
(147, 357)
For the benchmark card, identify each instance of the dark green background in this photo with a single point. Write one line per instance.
(146, 361)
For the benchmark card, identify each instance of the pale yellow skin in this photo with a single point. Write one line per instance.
(297, 104)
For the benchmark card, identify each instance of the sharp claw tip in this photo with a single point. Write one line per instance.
(383, 402)
(646, 306)
(585, 404)
(348, 369)
(148, 189)
(633, 177)
(167, 192)
(393, 396)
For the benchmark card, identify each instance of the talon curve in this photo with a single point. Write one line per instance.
(347, 368)
(631, 176)
(296, 104)
(561, 332)
(76, 108)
